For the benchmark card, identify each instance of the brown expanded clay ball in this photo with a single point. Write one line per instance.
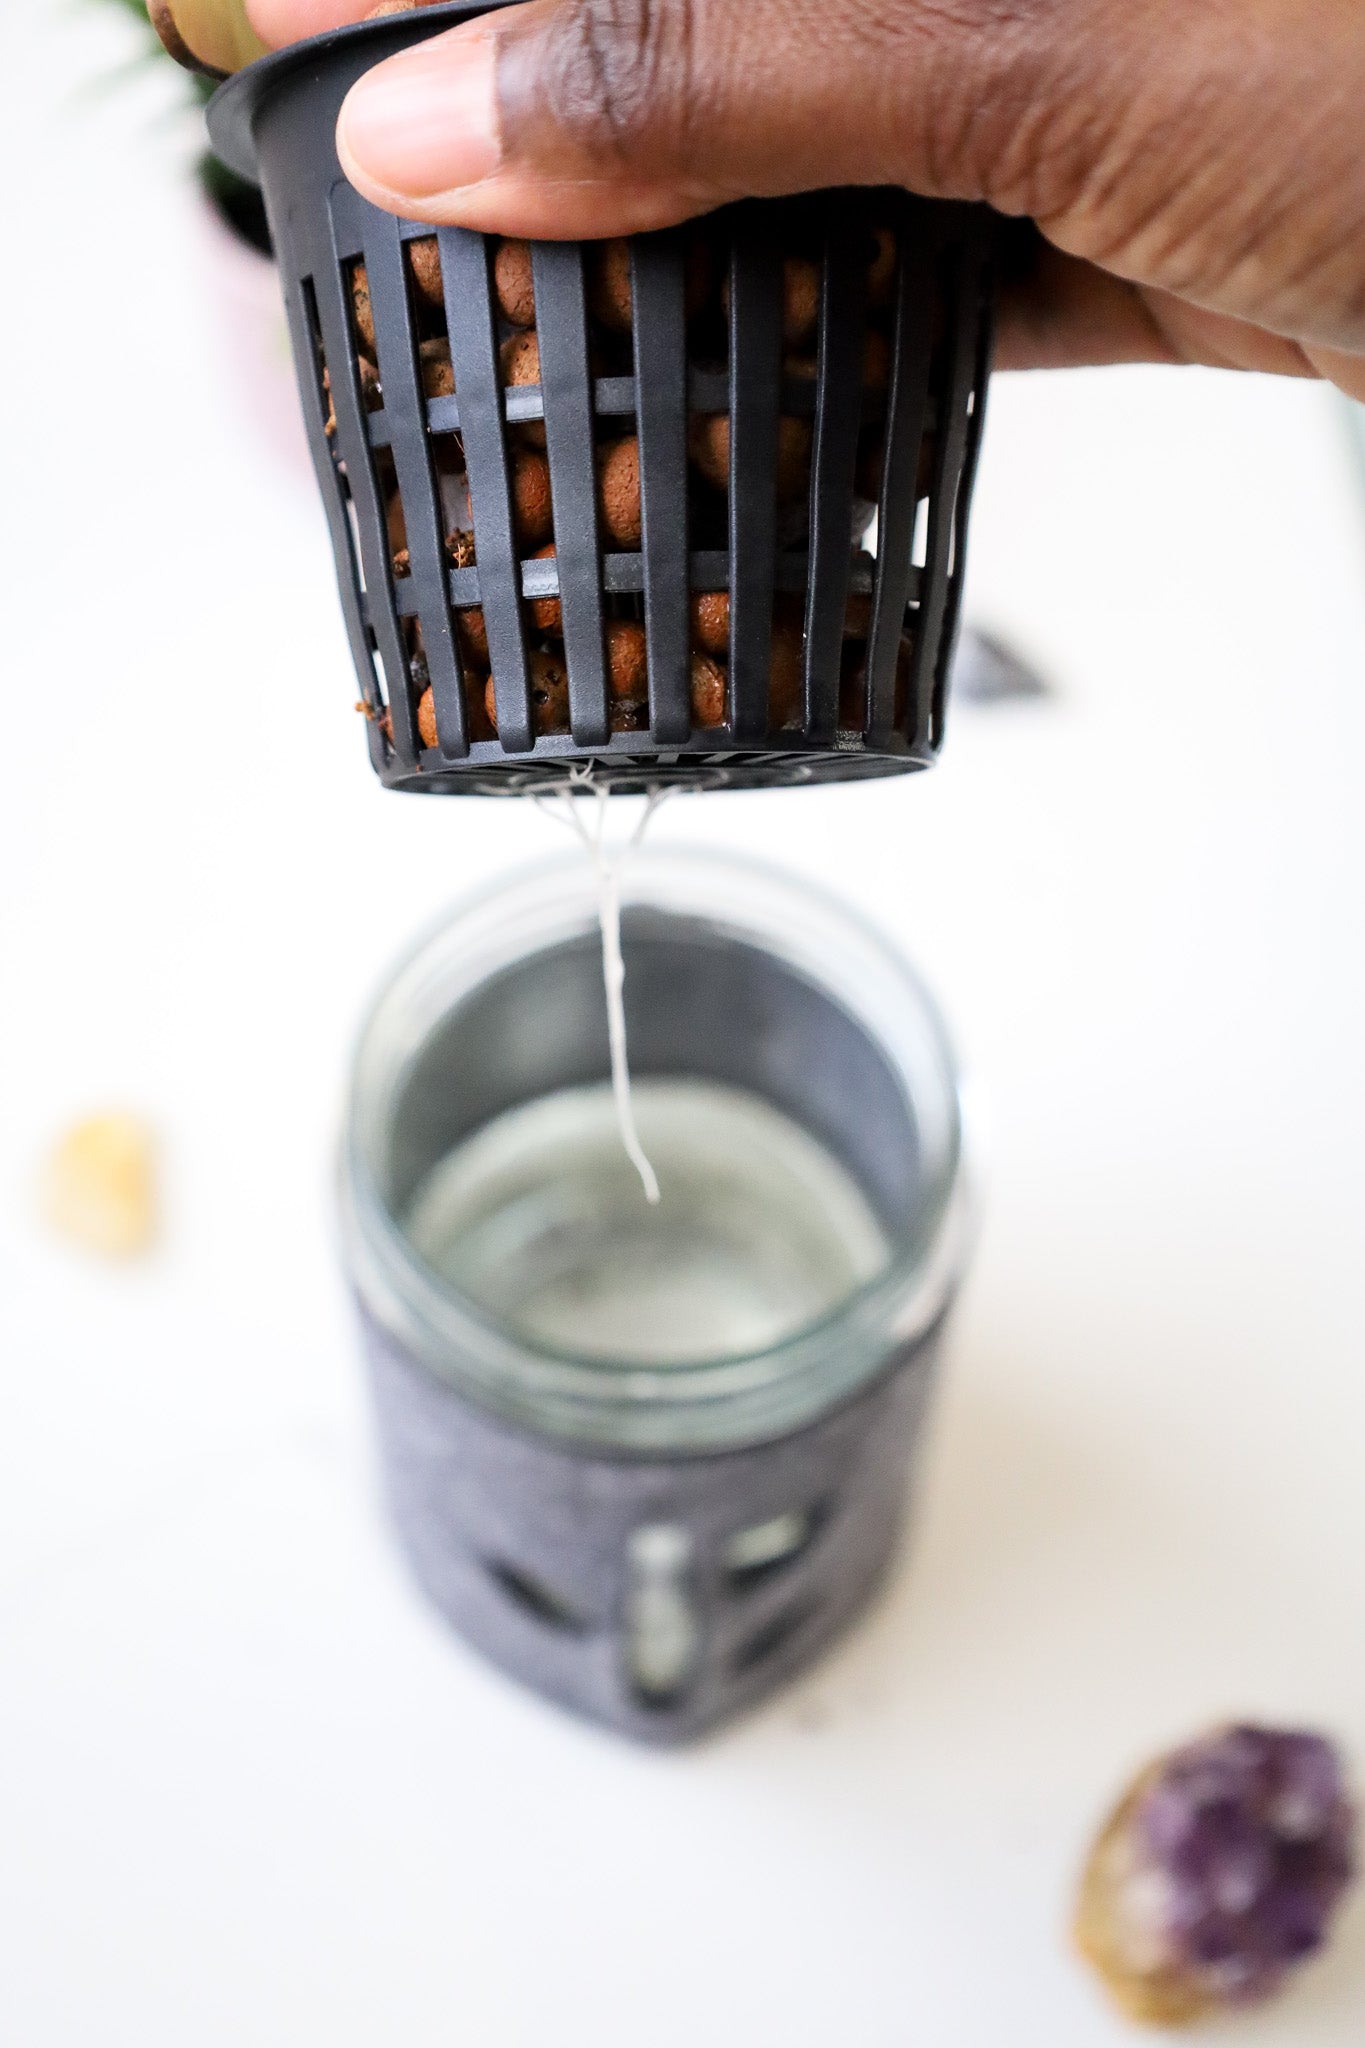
(709, 444)
(881, 271)
(532, 507)
(513, 284)
(547, 614)
(438, 372)
(711, 621)
(521, 358)
(618, 491)
(876, 363)
(610, 297)
(476, 714)
(800, 301)
(876, 360)
(520, 355)
(627, 663)
(371, 392)
(708, 692)
(472, 632)
(361, 309)
(786, 669)
(424, 259)
(398, 535)
(549, 694)
(478, 725)
(786, 672)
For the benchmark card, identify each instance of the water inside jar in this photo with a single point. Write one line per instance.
(538, 1220)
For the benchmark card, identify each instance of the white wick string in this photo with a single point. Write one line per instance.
(562, 806)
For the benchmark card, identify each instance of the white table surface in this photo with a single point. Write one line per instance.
(250, 1791)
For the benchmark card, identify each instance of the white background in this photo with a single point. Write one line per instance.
(250, 1792)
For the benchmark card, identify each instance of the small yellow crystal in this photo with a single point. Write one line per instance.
(100, 1187)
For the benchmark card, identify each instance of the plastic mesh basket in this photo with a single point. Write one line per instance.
(688, 509)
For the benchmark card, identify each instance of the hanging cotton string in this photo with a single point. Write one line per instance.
(561, 805)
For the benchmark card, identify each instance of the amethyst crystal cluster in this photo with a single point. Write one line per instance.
(1218, 1872)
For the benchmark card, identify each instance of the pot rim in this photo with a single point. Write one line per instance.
(234, 108)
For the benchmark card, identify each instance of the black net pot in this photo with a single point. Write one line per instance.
(689, 509)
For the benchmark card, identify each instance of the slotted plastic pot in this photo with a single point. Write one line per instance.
(688, 510)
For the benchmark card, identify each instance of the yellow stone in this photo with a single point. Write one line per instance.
(216, 32)
(1140, 1986)
(100, 1189)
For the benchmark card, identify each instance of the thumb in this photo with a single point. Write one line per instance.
(602, 117)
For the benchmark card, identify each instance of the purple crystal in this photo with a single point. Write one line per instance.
(1307, 1787)
(1252, 1835)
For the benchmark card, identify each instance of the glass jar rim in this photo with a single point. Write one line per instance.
(718, 1400)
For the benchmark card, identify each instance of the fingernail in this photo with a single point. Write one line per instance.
(425, 121)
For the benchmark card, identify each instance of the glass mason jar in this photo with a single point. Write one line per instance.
(652, 1460)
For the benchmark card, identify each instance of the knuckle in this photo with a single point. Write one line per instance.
(616, 74)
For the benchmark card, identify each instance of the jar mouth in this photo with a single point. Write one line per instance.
(713, 1400)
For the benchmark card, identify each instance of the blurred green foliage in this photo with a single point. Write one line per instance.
(232, 198)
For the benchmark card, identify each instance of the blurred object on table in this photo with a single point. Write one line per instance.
(99, 1189)
(1218, 1874)
(988, 671)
